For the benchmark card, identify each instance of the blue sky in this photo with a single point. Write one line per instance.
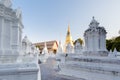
(45, 20)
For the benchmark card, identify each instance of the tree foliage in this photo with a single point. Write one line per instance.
(113, 43)
(80, 40)
(38, 46)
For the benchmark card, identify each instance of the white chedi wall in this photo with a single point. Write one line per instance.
(95, 39)
(69, 48)
(26, 46)
(13, 65)
(60, 48)
(10, 31)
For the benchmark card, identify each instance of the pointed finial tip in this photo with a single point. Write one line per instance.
(59, 42)
(93, 17)
(68, 25)
(25, 36)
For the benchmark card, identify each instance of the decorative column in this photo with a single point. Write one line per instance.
(96, 42)
(1, 32)
(15, 33)
(6, 35)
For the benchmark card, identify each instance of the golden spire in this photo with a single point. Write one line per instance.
(68, 28)
(68, 37)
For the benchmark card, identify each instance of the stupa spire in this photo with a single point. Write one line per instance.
(60, 48)
(68, 37)
(93, 18)
(93, 23)
(68, 28)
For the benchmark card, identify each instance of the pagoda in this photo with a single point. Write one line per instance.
(69, 47)
(95, 39)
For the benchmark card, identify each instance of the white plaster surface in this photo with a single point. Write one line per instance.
(87, 75)
(78, 48)
(19, 72)
(13, 64)
(95, 39)
(91, 67)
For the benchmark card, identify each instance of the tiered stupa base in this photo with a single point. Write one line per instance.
(91, 68)
(19, 72)
(95, 53)
(23, 68)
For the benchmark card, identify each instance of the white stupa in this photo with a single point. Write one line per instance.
(45, 50)
(26, 45)
(69, 48)
(60, 48)
(78, 47)
(115, 52)
(10, 32)
(94, 64)
(95, 39)
(12, 65)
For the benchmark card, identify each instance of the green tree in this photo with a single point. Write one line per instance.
(113, 43)
(80, 40)
(109, 44)
(38, 46)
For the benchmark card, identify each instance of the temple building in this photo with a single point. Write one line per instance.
(52, 46)
(69, 47)
(95, 39)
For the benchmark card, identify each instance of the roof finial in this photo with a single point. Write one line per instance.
(68, 27)
(93, 17)
(93, 23)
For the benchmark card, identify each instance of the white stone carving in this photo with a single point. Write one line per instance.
(27, 46)
(60, 48)
(13, 64)
(45, 50)
(91, 68)
(7, 3)
(95, 39)
(78, 47)
(69, 48)
(111, 55)
(95, 63)
(115, 52)
(44, 56)
(10, 35)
